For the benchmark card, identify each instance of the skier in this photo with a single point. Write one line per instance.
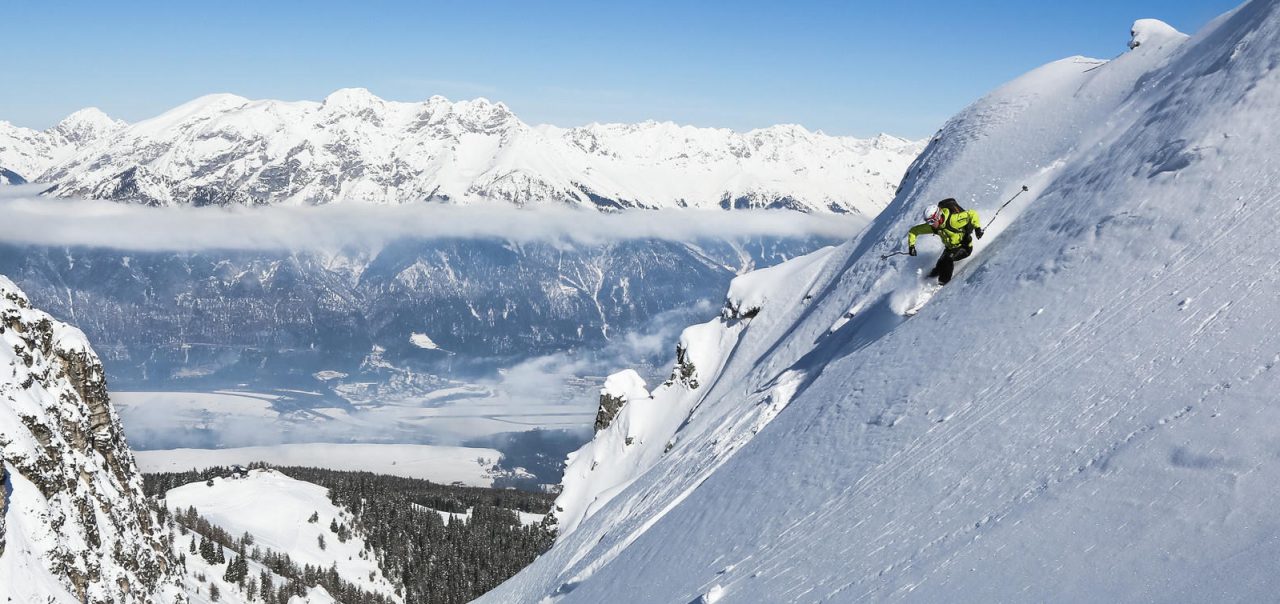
(954, 225)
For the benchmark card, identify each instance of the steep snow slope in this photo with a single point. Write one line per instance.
(74, 525)
(223, 149)
(275, 509)
(1085, 414)
(646, 427)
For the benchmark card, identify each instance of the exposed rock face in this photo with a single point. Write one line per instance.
(609, 407)
(9, 177)
(684, 371)
(74, 524)
(618, 390)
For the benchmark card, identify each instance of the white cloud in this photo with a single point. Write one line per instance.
(44, 221)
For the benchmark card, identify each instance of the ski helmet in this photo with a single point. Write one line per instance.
(933, 216)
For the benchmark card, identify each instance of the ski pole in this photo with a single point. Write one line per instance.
(887, 256)
(1015, 196)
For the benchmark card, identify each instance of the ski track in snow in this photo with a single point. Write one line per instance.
(1023, 384)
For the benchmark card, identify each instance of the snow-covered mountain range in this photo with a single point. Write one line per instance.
(225, 318)
(1086, 413)
(354, 146)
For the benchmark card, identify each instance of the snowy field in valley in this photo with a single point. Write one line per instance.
(226, 418)
(471, 466)
(275, 509)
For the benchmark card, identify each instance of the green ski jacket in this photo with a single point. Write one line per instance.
(954, 231)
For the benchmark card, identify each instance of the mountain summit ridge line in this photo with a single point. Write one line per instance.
(223, 149)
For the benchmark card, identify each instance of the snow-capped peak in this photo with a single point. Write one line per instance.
(355, 146)
(1153, 31)
(351, 99)
(29, 153)
(87, 124)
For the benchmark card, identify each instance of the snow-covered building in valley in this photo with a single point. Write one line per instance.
(1086, 413)
(74, 525)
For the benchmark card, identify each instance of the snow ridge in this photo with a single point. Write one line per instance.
(74, 525)
(224, 149)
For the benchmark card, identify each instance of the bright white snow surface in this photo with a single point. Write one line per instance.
(1087, 413)
(471, 466)
(626, 385)
(274, 509)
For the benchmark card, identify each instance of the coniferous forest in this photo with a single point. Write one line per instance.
(432, 560)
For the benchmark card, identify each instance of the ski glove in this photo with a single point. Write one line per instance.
(977, 231)
(911, 250)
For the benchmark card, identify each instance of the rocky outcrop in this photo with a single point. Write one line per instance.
(609, 407)
(73, 495)
(684, 372)
(618, 389)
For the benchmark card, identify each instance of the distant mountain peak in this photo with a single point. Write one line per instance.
(347, 98)
(87, 125)
(354, 146)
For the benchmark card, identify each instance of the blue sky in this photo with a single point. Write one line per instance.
(854, 67)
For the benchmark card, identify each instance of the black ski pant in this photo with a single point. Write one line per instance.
(947, 263)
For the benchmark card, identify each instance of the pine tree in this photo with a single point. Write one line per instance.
(206, 550)
(236, 570)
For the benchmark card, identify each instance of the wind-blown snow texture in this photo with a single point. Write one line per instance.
(353, 146)
(74, 525)
(1087, 413)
